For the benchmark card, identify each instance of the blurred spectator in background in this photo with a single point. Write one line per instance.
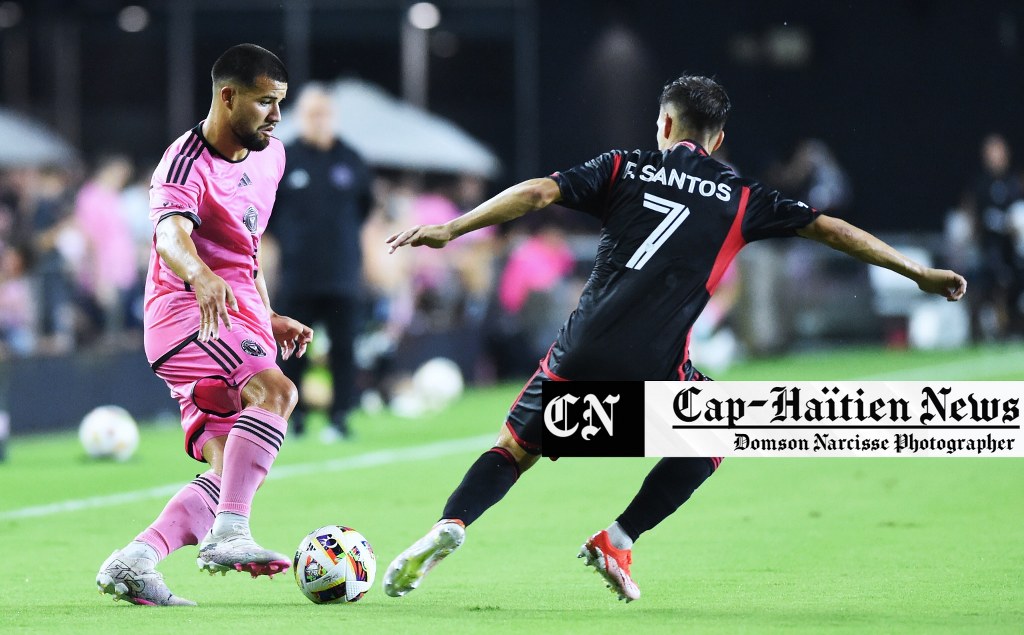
(532, 294)
(56, 244)
(712, 336)
(814, 175)
(17, 307)
(477, 264)
(108, 272)
(134, 210)
(998, 284)
(450, 291)
(324, 199)
(16, 187)
(389, 284)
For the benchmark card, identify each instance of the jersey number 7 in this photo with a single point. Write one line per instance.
(675, 214)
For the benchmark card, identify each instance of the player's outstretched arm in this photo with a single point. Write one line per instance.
(175, 246)
(844, 237)
(517, 200)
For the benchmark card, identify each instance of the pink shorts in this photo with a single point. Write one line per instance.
(207, 377)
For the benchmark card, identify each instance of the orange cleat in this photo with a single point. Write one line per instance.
(612, 564)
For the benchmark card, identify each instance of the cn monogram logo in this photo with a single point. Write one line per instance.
(559, 419)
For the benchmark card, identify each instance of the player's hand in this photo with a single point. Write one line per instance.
(214, 296)
(433, 236)
(291, 335)
(944, 282)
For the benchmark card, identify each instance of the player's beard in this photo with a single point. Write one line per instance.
(254, 141)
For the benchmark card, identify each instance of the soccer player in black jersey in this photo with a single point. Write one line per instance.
(673, 220)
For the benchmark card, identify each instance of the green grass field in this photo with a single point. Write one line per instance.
(767, 545)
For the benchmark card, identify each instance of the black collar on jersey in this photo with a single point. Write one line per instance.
(199, 132)
(693, 146)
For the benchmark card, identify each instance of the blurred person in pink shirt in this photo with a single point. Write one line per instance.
(536, 265)
(534, 292)
(454, 289)
(108, 271)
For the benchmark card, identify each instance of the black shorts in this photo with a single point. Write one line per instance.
(525, 418)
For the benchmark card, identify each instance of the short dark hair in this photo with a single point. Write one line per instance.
(701, 101)
(245, 63)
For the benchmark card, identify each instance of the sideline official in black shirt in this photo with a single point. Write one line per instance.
(324, 198)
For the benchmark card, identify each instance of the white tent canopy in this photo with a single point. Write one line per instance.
(391, 133)
(26, 142)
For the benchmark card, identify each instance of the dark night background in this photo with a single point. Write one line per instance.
(902, 91)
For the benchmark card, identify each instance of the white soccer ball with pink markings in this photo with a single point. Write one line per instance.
(109, 432)
(334, 565)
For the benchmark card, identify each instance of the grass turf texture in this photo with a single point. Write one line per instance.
(804, 545)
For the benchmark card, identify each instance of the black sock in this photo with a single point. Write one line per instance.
(668, 486)
(485, 483)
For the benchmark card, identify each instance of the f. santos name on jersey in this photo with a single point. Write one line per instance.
(680, 180)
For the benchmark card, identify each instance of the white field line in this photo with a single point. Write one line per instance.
(370, 459)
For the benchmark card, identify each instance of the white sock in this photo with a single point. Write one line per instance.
(230, 523)
(139, 549)
(620, 539)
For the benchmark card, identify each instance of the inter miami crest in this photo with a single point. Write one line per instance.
(251, 219)
(252, 347)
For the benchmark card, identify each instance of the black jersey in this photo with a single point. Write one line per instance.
(672, 223)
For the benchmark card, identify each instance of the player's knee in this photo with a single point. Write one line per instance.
(284, 396)
(273, 392)
(213, 453)
(523, 458)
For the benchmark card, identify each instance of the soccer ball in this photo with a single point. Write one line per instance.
(334, 564)
(109, 432)
(438, 382)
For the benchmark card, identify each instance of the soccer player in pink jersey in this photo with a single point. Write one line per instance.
(210, 332)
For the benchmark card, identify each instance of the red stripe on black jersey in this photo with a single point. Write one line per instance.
(616, 164)
(733, 243)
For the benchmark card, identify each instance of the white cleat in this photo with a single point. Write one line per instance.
(137, 581)
(412, 565)
(237, 551)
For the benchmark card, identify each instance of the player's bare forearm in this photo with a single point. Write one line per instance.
(844, 237)
(213, 295)
(510, 204)
(175, 246)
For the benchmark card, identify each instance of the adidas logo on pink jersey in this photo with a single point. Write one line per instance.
(245, 180)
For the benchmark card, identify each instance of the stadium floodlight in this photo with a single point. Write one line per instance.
(133, 19)
(424, 15)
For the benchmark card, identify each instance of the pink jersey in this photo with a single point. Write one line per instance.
(229, 202)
